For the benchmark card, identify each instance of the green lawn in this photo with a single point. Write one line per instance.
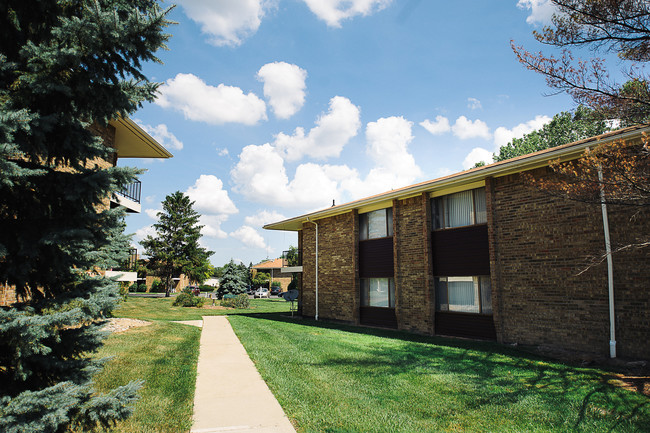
(162, 309)
(332, 378)
(164, 355)
(335, 378)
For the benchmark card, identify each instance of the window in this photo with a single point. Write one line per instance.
(464, 208)
(376, 224)
(464, 294)
(378, 292)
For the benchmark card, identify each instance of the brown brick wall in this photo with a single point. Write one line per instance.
(412, 264)
(338, 282)
(538, 246)
(542, 243)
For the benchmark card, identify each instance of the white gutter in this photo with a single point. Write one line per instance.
(316, 317)
(610, 269)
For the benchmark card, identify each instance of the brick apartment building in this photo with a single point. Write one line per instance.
(481, 254)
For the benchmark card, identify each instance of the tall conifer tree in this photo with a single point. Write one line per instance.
(64, 66)
(175, 249)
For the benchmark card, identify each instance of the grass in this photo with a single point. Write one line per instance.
(332, 378)
(335, 378)
(165, 356)
(162, 309)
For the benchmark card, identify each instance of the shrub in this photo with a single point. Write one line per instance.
(142, 287)
(157, 287)
(188, 300)
(206, 288)
(276, 284)
(133, 287)
(240, 301)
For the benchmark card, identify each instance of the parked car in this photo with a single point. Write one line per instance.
(276, 290)
(261, 293)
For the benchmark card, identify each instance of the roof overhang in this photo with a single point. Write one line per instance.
(465, 179)
(131, 141)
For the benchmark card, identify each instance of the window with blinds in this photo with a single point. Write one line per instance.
(461, 209)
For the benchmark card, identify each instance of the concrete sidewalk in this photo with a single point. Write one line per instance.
(230, 394)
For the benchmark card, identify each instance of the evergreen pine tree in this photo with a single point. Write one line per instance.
(232, 281)
(64, 66)
(175, 249)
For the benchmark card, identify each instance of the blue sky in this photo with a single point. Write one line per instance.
(274, 108)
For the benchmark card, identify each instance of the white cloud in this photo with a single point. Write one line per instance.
(226, 22)
(260, 174)
(213, 203)
(440, 126)
(212, 226)
(474, 104)
(388, 140)
(503, 136)
(465, 128)
(249, 237)
(223, 152)
(152, 213)
(143, 232)
(161, 134)
(541, 11)
(210, 197)
(149, 199)
(262, 218)
(284, 87)
(332, 132)
(334, 11)
(201, 102)
(477, 154)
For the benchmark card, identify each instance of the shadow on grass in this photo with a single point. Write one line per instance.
(497, 375)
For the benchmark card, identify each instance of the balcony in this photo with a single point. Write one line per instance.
(292, 261)
(129, 197)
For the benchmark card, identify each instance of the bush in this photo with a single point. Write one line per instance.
(276, 284)
(206, 288)
(157, 287)
(142, 287)
(133, 287)
(188, 300)
(240, 301)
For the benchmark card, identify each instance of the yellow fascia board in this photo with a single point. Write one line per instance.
(131, 141)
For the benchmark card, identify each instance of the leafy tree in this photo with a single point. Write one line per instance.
(175, 249)
(617, 172)
(65, 67)
(621, 27)
(564, 128)
(293, 255)
(231, 281)
(261, 279)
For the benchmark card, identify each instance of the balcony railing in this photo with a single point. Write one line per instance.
(132, 191)
(291, 258)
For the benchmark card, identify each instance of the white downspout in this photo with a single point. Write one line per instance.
(316, 317)
(610, 268)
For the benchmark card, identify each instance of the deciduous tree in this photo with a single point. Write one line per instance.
(564, 128)
(606, 26)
